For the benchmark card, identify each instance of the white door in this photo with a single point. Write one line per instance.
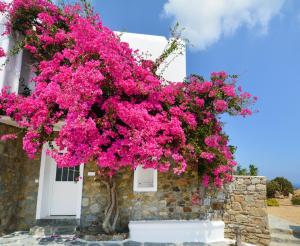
(65, 190)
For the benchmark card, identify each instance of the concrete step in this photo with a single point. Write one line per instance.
(57, 226)
(42, 231)
(285, 239)
(64, 230)
(282, 244)
(58, 222)
(296, 233)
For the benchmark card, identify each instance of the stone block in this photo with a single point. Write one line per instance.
(251, 188)
(85, 202)
(236, 206)
(249, 198)
(240, 218)
(95, 208)
(238, 198)
(261, 187)
(207, 201)
(90, 237)
(217, 205)
(258, 181)
(39, 231)
(221, 196)
(257, 212)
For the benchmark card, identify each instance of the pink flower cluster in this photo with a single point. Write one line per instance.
(208, 156)
(7, 137)
(213, 141)
(205, 100)
(115, 110)
(2, 53)
(220, 106)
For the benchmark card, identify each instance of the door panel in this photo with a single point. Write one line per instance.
(65, 190)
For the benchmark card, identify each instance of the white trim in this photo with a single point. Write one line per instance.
(8, 121)
(41, 187)
(17, 72)
(136, 187)
(41, 183)
(79, 198)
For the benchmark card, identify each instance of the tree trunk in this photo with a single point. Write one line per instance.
(111, 213)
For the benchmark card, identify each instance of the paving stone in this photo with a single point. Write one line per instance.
(193, 244)
(111, 244)
(90, 237)
(159, 244)
(131, 243)
(81, 243)
(47, 240)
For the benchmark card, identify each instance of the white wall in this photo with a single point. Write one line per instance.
(149, 45)
(154, 45)
(10, 73)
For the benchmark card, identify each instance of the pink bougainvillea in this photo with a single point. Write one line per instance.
(2, 53)
(116, 110)
(207, 155)
(220, 106)
(213, 141)
(7, 137)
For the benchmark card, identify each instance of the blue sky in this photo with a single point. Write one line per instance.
(264, 49)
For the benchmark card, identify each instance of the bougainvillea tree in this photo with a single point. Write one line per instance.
(115, 109)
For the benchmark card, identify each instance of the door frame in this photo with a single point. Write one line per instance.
(44, 188)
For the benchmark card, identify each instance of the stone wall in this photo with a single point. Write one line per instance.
(245, 207)
(240, 204)
(176, 198)
(10, 178)
(18, 190)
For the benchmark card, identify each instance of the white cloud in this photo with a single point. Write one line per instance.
(206, 21)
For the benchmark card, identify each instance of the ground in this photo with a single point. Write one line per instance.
(286, 211)
(25, 239)
(284, 223)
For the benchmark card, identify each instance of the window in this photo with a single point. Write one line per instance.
(145, 180)
(67, 173)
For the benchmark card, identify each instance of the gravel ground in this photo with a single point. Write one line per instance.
(286, 211)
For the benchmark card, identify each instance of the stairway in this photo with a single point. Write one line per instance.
(51, 227)
(283, 233)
